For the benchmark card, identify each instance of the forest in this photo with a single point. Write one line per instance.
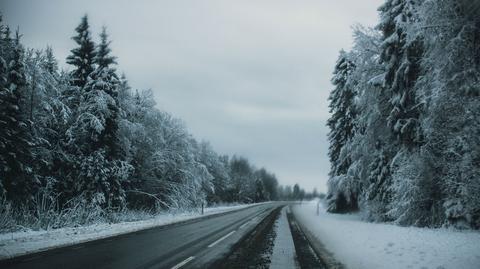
(404, 129)
(80, 145)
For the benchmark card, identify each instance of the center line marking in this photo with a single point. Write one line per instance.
(184, 262)
(219, 240)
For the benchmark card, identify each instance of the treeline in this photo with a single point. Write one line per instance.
(86, 136)
(405, 129)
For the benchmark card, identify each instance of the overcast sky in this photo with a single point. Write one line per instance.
(250, 76)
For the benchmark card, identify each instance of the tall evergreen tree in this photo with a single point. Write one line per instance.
(402, 50)
(98, 113)
(95, 135)
(15, 139)
(103, 57)
(106, 79)
(342, 107)
(50, 63)
(82, 57)
(342, 130)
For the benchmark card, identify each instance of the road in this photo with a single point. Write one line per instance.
(193, 244)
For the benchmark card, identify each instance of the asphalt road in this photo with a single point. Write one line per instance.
(194, 244)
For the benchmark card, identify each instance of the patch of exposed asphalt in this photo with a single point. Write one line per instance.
(255, 249)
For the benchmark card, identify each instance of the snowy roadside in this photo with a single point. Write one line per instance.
(24, 242)
(359, 244)
(283, 253)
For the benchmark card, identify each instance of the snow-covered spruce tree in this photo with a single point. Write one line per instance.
(343, 113)
(50, 63)
(95, 133)
(15, 138)
(451, 87)
(107, 79)
(103, 57)
(341, 197)
(82, 57)
(371, 128)
(84, 139)
(401, 51)
(402, 48)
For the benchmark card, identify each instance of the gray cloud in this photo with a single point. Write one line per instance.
(252, 77)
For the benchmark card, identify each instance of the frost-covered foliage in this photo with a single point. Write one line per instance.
(17, 182)
(414, 151)
(342, 195)
(83, 141)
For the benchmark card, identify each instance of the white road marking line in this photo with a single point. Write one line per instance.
(187, 260)
(219, 240)
(245, 224)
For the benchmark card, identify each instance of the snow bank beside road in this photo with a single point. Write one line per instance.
(19, 243)
(361, 245)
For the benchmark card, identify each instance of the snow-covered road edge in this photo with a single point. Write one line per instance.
(22, 243)
(283, 252)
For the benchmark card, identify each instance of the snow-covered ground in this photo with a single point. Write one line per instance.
(19, 243)
(358, 244)
(283, 254)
